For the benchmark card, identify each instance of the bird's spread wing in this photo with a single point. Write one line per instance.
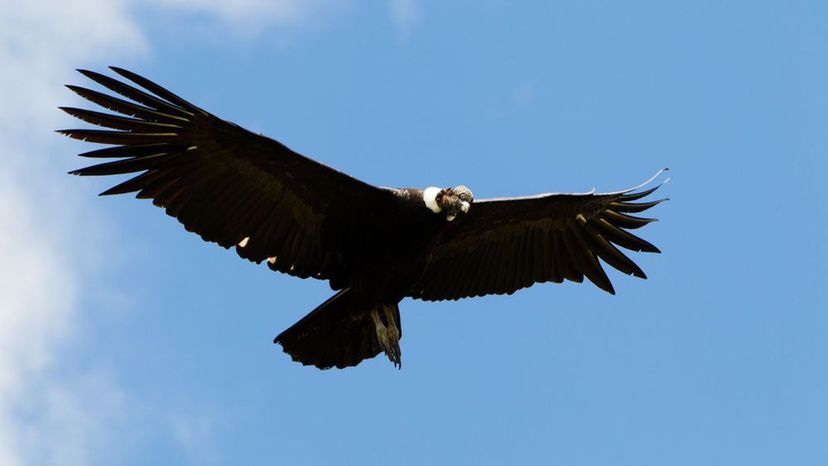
(503, 245)
(228, 185)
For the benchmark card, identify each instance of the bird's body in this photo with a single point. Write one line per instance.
(375, 246)
(387, 259)
(384, 264)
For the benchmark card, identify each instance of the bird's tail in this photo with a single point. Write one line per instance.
(341, 332)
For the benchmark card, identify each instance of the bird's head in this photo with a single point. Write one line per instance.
(449, 201)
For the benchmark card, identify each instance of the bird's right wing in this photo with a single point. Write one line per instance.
(503, 245)
(226, 184)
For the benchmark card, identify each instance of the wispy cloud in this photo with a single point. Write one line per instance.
(40, 40)
(49, 240)
(46, 234)
(74, 422)
(246, 16)
(194, 433)
(405, 14)
(517, 98)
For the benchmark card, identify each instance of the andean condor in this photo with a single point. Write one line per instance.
(375, 246)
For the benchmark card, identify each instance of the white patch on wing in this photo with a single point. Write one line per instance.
(430, 199)
(243, 242)
(272, 260)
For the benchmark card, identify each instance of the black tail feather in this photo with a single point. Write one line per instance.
(342, 332)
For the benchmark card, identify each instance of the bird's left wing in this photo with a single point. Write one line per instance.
(226, 184)
(503, 245)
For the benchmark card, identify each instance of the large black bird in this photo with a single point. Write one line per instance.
(375, 246)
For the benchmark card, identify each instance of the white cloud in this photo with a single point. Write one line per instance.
(518, 98)
(38, 290)
(194, 433)
(405, 14)
(46, 235)
(245, 16)
(50, 242)
(41, 41)
(75, 422)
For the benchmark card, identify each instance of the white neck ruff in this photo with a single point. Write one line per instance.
(430, 199)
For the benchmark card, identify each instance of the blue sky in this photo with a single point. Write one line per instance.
(126, 340)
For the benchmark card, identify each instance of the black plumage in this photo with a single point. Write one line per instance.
(375, 246)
